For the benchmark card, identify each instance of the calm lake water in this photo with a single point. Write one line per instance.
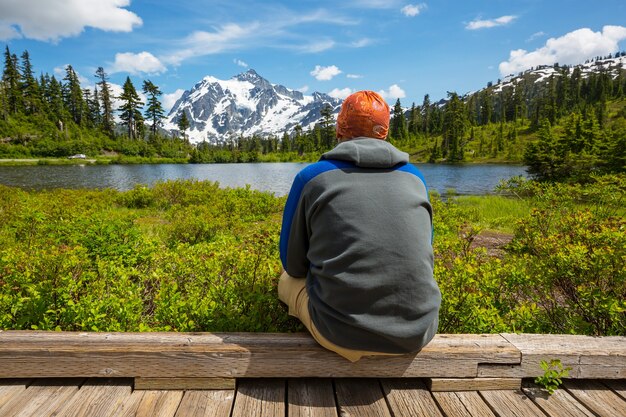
(273, 177)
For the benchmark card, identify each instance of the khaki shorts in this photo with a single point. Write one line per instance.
(292, 291)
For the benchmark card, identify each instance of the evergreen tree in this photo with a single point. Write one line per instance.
(426, 115)
(398, 126)
(327, 133)
(11, 81)
(130, 110)
(454, 128)
(154, 110)
(29, 85)
(183, 124)
(414, 120)
(73, 95)
(107, 106)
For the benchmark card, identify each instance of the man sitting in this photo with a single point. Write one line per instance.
(356, 242)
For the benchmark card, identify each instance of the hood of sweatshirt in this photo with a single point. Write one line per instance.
(368, 153)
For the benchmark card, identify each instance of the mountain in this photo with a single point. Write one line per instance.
(247, 104)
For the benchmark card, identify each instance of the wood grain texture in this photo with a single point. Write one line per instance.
(259, 398)
(597, 397)
(473, 384)
(97, 398)
(214, 403)
(361, 398)
(452, 405)
(184, 383)
(128, 407)
(559, 404)
(159, 404)
(588, 356)
(231, 355)
(49, 396)
(474, 403)
(618, 386)
(11, 387)
(409, 397)
(511, 403)
(311, 398)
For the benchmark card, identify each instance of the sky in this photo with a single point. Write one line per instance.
(402, 49)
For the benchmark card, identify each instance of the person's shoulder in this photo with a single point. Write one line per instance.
(321, 167)
(411, 169)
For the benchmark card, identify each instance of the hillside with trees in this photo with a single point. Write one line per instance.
(559, 120)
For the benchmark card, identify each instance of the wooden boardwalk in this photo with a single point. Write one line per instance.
(302, 397)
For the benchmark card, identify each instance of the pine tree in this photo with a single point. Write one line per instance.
(130, 113)
(327, 133)
(398, 128)
(454, 127)
(426, 115)
(29, 85)
(154, 110)
(73, 95)
(107, 105)
(11, 80)
(183, 124)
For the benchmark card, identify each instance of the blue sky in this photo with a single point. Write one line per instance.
(404, 49)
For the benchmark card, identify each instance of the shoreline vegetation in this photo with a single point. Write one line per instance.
(191, 256)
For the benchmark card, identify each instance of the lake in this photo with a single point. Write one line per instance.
(273, 177)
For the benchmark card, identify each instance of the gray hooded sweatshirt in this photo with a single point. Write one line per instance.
(358, 227)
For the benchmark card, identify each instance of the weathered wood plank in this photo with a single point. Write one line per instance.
(128, 407)
(184, 383)
(559, 404)
(231, 355)
(589, 357)
(473, 384)
(361, 397)
(311, 398)
(11, 387)
(474, 403)
(453, 406)
(47, 398)
(409, 397)
(597, 397)
(96, 398)
(618, 386)
(511, 403)
(260, 398)
(159, 404)
(214, 403)
(21, 399)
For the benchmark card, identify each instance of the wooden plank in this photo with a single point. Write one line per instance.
(589, 357)
(473, 384)
(20, 399)
(11, 387)
(409, 397)
(311, 398)
(184, 383)
(618, 386)
(511, 403)
(259, 398)
(597, 397)
(214, 403)
(159, 404)
(128, 407)
(474, 403)
(559, 404)
(361, 397)
(232, 355)
(453, 405)
(48, 396)
(97, 398)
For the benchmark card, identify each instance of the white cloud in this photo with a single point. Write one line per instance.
(316, 46)
(325, 73)
(240, 63)
(535, 36)
(169, 100)
(482, 24)
(354, 76)
(361, 43)
(411, 10)
(143, 62)
(394, 92)
(303, 89)
(340, 93)
(55, 19)
(61, 71)
(571, 48)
